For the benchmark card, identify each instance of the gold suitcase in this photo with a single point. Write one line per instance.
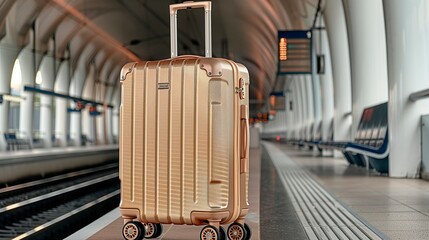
(184, 142)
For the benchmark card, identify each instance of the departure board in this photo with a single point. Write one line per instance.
(277, 101)
(294, 52)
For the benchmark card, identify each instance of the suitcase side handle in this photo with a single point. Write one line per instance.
(244, 158)
(207, 5)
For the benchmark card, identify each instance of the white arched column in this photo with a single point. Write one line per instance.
(367, 41)
(76, 117)
(295, 112)
(109, 114)
(27, 62)
(293, 123)
(299, 108)
(88, 121)
(327, 88)
(290, 118)
(408, 61)
(100, 119)
(115, 85)
(287, 92)
(116, 102)
(310, 107)
(317, 102)
(62, 86)
(46, 111)
(109, 125)
(8, 55)
(305, 112)
(282, 116)
(336, 28)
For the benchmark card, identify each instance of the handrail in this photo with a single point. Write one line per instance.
(347, 114)
(419, 95)
(60, 95)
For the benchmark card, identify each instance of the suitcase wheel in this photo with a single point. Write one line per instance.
(248, 231)
(236, 231)
(209, 233)
(159, 230)
(133, 231)
(152, 230)
(222, 233)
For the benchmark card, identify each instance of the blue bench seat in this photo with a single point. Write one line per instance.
(14, 143)
(370, 147)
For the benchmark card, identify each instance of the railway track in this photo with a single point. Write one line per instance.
(56, 207)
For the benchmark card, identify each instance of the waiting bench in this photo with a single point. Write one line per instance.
(316, 140)
(371, 144)
(14, 143)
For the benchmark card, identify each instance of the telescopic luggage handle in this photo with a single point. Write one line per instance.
(207, 5)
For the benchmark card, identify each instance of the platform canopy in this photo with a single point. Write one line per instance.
(128, 30)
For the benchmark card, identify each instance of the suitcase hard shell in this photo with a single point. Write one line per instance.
(184, 141)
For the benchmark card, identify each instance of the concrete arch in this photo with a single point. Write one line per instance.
(62, 85)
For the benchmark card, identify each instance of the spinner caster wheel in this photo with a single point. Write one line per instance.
(150, 230)
(133, 231)
(159, 230)
(209, 233)
(236, 231)
(222, 233)
(248, 231)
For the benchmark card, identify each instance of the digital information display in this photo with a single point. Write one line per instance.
(294, 52)
(278, 101)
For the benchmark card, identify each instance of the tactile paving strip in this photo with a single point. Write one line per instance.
(321, 215)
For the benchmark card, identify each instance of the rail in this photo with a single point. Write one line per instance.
(59, 205)
(419, 95)
(60, 95)
(30, 186)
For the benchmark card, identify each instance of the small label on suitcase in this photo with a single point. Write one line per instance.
(163, 85)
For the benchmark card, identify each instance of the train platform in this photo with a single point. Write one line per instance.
(59, 151)
(303, 80)
(295, 194)
(15, 165)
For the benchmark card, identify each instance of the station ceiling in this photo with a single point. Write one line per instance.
(243, 30)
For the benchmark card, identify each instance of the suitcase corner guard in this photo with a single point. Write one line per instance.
(127, 68)
(212, 66)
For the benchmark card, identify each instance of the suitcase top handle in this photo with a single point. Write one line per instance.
(207, 5)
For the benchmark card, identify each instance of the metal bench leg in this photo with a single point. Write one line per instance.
(366, 162)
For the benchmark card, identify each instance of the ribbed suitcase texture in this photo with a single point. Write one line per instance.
(182, 138)
(184, 142)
